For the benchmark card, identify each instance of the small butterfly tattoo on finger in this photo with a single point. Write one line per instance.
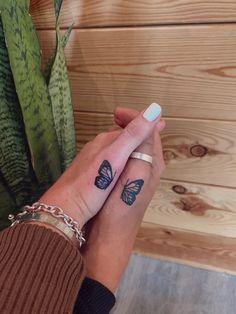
(105, 177)
(131, 190)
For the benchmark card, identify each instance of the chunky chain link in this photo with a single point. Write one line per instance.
(56, 212)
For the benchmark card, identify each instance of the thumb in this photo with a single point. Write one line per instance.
(137, 130)
(123, 116)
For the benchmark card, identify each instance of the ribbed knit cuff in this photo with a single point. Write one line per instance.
(94, 298)
(40, 271)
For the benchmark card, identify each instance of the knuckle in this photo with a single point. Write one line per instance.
(117, 164)
(132, 130)
(159, 164)
(162, 165)
(101, 136)
(88, 144)
(148, 146)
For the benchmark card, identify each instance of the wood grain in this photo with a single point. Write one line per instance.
(200, 151)
(189, 70)
(201, 250)
(132, 12)
(194, 208)
(195, 150)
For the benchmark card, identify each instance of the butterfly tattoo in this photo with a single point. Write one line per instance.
(131, 190)
(105, 175)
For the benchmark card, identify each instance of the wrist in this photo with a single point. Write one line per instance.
(106, 261)
(65, 200)
(56, 224)
(53, 216)
(73, 240)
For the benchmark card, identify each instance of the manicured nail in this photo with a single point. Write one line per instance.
(152, 112)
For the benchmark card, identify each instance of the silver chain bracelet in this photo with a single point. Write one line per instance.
(31, 213)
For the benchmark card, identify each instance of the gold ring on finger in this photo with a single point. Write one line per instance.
(142, 156)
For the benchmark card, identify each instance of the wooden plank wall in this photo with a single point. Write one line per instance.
(182, 54)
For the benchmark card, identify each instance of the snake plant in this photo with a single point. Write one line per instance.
(59, 90)
(15, 165)
(37, 136)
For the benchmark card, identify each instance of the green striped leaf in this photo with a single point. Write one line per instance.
(15, 163)
(25, 59)
(59, 89)
(57, 6)
(66, 36)
(64, 41)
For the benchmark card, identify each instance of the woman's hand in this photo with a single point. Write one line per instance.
(113, 230)
(84, 187)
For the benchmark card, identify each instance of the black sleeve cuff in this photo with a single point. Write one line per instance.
(94, 298)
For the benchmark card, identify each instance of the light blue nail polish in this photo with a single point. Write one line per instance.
(152, 112)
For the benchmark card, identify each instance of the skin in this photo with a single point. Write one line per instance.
(110, 234)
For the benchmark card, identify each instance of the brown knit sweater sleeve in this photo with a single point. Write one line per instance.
(40, 271)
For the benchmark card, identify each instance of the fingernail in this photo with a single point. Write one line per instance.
(152, 112)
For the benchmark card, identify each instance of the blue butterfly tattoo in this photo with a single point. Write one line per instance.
(131, 190)
(105, 175)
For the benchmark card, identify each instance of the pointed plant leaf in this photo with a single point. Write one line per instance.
(57, 7)
(64, 41)
(25, 59)
(15, 163)
(66, 36)
(59, 89)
